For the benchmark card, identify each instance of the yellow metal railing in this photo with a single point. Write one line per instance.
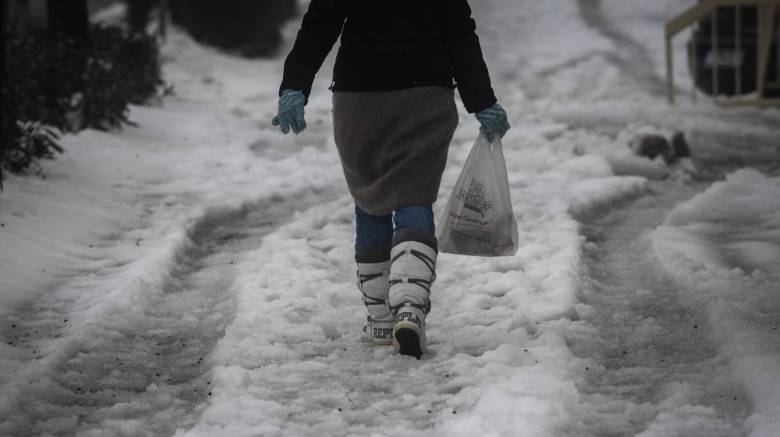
(768, 12)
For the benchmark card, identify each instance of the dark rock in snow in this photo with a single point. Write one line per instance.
(652, 146)
(680, 146)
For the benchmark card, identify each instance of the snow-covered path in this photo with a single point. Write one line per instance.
(206, 283)
(652, 364)
(150, 365)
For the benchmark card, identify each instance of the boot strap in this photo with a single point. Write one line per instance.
(422, 283)
(428, 261)
(362, 279)
(368, 300)
(365, 278)
(424, 308)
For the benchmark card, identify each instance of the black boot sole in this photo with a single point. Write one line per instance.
(409, 342)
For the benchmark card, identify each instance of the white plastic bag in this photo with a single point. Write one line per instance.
(478, 219)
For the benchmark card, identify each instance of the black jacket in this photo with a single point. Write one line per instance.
(392, 44)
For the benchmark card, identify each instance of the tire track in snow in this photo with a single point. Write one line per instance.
(652, 365)
(631, 58)
(144, 370)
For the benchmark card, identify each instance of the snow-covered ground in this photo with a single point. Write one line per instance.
(194, 275)
(723, 247)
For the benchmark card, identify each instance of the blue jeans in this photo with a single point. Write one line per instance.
(376, 231)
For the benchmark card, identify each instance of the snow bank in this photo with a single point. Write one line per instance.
(56, 218)
(723, 246)
(733, 225)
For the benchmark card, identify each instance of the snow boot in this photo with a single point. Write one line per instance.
(409, 330)
(372, 282)
(412, 272)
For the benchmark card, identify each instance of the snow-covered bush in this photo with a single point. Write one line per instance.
(121, 69)
(41, 75)
(35, 141)
(51, 82)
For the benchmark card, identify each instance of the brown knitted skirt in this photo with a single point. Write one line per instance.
(393, 144)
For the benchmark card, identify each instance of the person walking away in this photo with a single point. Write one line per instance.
(394, 116)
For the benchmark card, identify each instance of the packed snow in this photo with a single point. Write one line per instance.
(723, 246)
(194, 275)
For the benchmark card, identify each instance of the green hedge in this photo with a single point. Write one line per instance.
(54, 84)
(249, 28)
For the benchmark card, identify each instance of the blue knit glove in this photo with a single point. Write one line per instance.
(494, 122)
(291, 112)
